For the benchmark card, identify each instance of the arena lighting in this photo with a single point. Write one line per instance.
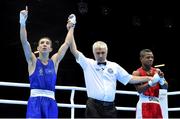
(105, 10)
(82, 7)
(136, 21)
(160, 65)
(168, 22)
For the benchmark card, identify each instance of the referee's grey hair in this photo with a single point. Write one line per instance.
(99, 44)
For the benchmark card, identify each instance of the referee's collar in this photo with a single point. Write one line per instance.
(102, 63)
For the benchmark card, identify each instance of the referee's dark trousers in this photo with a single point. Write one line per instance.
(100, 109)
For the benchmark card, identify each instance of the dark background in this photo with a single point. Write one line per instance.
(127, 27)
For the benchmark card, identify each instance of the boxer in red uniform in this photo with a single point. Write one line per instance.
(148, 105)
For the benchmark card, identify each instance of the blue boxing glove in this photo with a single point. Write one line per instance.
(23, 16)
(155, 79)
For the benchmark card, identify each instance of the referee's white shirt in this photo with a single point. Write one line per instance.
(100, 80)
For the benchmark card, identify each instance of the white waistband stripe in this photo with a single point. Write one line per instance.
(144, 98)
(41, 92)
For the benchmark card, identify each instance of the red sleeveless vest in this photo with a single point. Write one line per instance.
(152, 91)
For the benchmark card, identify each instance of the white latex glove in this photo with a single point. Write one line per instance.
(155, 79)
(23, 16)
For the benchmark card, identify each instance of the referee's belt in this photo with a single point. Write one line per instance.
(104, 103)
(149, 98)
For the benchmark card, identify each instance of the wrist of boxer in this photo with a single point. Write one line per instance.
(23, 23)
(150, 83)
(162, 81)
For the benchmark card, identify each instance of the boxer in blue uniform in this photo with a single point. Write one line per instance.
(43, 70)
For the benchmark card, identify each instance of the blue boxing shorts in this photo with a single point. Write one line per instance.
(42, 107)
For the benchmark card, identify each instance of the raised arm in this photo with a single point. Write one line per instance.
(57, 57)
(73, 47)
(23, 36)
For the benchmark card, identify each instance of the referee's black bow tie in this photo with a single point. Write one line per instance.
(101, 63)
